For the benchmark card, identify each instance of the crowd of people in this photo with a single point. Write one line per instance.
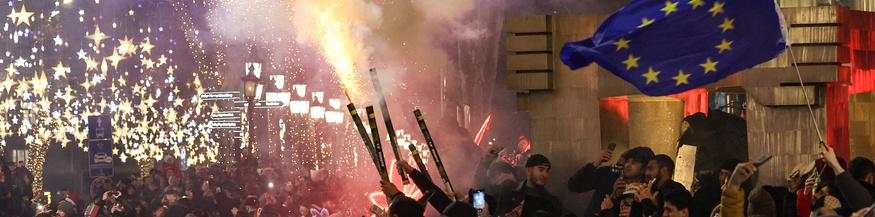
(251, 187)
(640, 185)
(513, 183)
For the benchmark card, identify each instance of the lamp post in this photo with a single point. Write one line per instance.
(251, 86)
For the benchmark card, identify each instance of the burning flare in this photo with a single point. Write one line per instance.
(339, 28)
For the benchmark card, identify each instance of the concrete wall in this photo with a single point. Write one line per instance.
(565, 120)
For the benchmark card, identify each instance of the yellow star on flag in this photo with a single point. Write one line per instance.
(645, 22)
(632, 62)
(727, 24)
(681, 78)
(669, 7)
(622, 43)
(651, 75)
(718, 8)
(696, 3)
(725, 45)
(709, 65)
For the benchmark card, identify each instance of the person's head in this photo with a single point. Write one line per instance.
(65, 209)
(537, 170)
(251, 203)
(524, 144)
(678, 203)
(862, 169)
(661, 167)
(20, 164)
(403, 206)
(822, 189)
(499, 171)
(726, 169)
(636, 160)
(170, 197)
(760, 204)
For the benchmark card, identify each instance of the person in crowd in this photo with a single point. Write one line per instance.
(400, 205)
(537, 172)
(863, 170)
(497, 178)
(732, 201)
(677, 203)
(633, 176)
(707, 193)
(593, 177)
(852, 191)
(65, 209)
(760, 204)
(659, 172)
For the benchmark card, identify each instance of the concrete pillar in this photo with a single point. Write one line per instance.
(655, 122)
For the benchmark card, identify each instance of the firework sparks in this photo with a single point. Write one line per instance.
(331, 26)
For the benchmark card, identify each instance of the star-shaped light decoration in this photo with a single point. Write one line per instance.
(58, 40)
(68, 96)
(40, 84)
(22, 16)
(81, 54)
(147, 47)
(126, 46)
(8, 83)
(11, 69)
(60, 70)
(97, 36)
(90, 64)
(115, 58)
(162, 60)
(22, 87)
(20, 61)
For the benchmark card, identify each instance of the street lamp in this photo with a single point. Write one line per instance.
(251, 86)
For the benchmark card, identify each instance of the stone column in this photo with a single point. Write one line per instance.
(655, 122)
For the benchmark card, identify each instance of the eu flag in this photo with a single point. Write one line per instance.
(666, 47)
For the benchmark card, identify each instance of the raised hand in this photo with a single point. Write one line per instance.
(742, 172)
(603, 157)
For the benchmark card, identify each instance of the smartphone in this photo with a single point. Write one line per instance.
(612, 146)
(377, 211)
(763, 160)
(478, 199)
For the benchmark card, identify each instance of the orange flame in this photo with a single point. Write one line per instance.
(333, 33)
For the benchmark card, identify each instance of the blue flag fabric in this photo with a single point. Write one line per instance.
(666, 47)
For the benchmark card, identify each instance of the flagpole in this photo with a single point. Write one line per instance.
(804, 93)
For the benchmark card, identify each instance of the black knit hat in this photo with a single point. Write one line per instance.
(538, 160)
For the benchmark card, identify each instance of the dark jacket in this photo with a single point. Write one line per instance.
(706, 198)
(854, 193)
(518, 195)
(590, 178)
(439, 200)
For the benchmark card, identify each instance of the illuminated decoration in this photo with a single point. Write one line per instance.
(138, 76)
